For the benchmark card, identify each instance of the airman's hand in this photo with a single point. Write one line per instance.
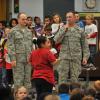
(13, 63)
(84, 62)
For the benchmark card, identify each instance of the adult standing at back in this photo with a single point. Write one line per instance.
(74, 50)
(19, 48)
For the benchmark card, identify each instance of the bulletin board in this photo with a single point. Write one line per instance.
(58, 6)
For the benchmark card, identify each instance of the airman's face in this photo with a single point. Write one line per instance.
(70, 18)
(22, 20)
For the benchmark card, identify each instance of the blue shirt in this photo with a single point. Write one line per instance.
(64, 96)
(80, 24)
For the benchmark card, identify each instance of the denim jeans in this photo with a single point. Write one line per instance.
(92, 49)
(2, 75)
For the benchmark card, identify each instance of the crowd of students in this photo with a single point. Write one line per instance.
(46, 52)
(65, 91)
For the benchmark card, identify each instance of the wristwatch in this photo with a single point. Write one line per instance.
(90, 4)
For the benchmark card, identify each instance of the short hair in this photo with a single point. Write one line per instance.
(29, 17)
(3, 22)
(43, 95)
(63, 88)
(48, 16)
(76, 94)
(90, 16)
(36, 17)
(75, 91)
(88, 98)
(19, 14)
(76, 12)
(97, 85)
(73, 12)
(90, 91)
(52, 97)
(75, 85)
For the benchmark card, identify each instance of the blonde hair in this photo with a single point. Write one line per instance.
(52, 97)
(75, 91)
(97, 85)
(16, 91)
(90, 16)
(88, 98)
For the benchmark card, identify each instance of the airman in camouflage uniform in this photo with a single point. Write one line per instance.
(74, 50)
(19, 48)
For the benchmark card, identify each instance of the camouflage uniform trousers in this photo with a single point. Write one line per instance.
(22, 75)
(69, 69)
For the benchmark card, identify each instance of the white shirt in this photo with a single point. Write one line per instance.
(55, 27)
(89, 30)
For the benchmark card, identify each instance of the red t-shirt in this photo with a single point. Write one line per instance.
(41, 60)
(7, 64)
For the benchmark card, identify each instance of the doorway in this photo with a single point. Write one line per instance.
(3, 9)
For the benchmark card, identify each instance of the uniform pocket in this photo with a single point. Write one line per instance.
(18, 38)
(19, 43)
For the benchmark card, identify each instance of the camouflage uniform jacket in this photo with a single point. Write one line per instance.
(19, 43)
(74, 43)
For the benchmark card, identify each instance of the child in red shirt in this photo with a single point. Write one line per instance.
(43, 60)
